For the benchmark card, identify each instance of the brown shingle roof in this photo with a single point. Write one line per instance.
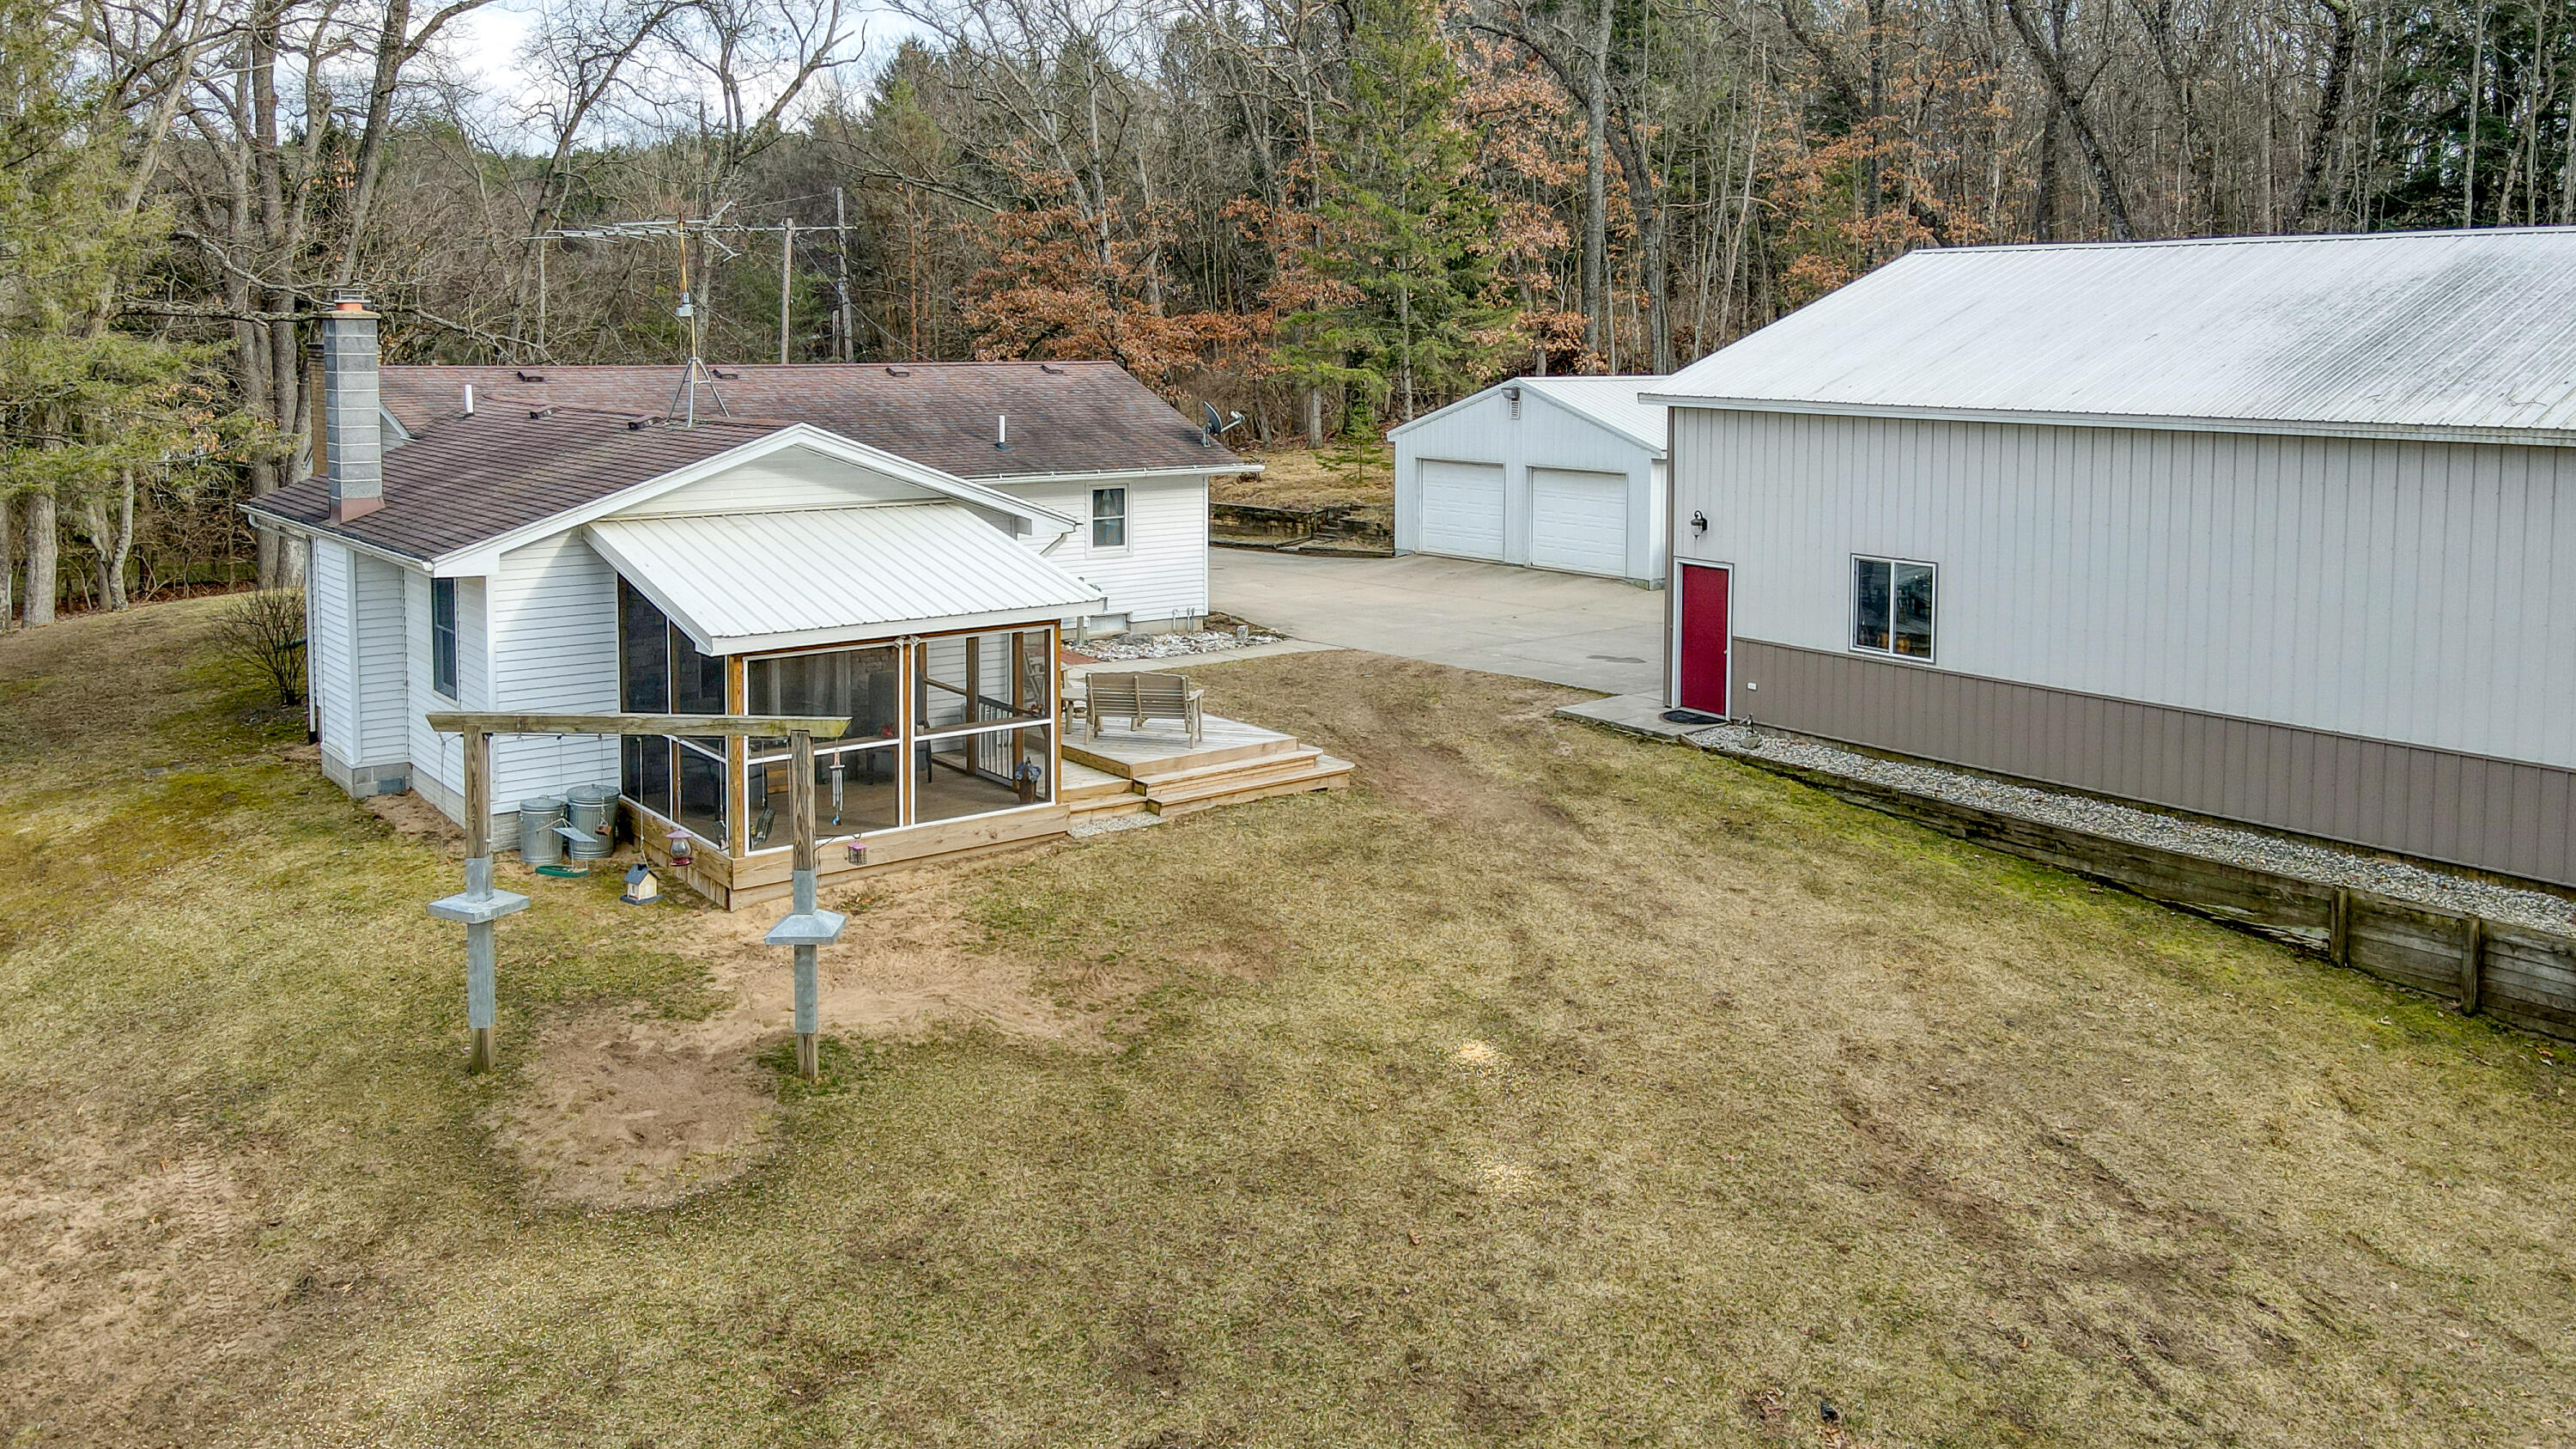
(474, 478)
(1066, 417)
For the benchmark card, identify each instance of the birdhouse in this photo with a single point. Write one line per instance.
(642, 886)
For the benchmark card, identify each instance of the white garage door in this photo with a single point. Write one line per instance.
(1579, 521)
(1462, 509)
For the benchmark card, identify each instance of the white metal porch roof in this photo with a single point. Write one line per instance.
(740, 582)
(2468, 335)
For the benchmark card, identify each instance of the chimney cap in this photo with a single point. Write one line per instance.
(349, 302)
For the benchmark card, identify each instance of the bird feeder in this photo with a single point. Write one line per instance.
(643, 887)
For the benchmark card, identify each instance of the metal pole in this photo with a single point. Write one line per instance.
(478, 905)
(800, 797)
(541, 294)
(479, 990)
(807, 926)
(786, 270)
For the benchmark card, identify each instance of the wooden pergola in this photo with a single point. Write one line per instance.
(806, 928)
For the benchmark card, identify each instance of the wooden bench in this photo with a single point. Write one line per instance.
(1137, 698)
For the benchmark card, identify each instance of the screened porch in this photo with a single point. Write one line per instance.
(947, 727)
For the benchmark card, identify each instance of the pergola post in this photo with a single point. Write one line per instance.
(478, 906)
(806, 927)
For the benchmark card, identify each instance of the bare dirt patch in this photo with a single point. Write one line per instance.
(628, 1114)
(409, 814)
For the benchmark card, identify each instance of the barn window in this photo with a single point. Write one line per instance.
(1108, 518)
(1892, 607)
(442, 637)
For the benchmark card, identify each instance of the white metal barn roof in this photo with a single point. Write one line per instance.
(1611, 402)
(2457, 334)
(736, 582)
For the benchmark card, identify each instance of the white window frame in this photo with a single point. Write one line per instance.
(1126, 518)
(453, 657)
(1851, 609)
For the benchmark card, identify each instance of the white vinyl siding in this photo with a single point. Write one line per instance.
(553, 616)
(439, 758)
(1579, 521)
(1161, 573)
(792, 478)
(383, 688)
(330, 648)
(2395, 591)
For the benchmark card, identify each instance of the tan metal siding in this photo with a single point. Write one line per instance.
(2499, 815)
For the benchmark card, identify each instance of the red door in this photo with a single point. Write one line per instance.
(1704, 637)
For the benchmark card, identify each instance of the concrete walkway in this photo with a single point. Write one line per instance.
(1562, 628)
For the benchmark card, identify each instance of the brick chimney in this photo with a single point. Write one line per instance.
(348, 435)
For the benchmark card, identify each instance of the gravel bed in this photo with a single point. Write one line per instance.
(1115, 823)
(2324, 864)
(1168, 646)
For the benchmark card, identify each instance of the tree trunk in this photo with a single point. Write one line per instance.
(2338, 80)
(8, 562)
(120, 542)
(44, 558)
(2049, 59)
(1315, 416)
(1596, 190)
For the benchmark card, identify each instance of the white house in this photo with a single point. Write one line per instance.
(1552, 472)
(2271, 529)
(527, 555)
(1082, 439)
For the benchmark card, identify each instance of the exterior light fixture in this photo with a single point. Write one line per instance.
(1699, 522)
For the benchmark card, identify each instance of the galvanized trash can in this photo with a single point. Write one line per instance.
(593, 811)
(538, 843)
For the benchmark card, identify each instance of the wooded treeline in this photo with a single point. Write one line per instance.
(1327, 215)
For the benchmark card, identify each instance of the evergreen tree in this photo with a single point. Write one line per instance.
(84, 407)
(1405, 232)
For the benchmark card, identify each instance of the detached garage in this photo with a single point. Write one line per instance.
(1550, 472)
(2276, 530)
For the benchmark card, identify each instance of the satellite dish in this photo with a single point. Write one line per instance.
(1215, 424)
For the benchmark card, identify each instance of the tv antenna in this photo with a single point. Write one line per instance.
(684, 399)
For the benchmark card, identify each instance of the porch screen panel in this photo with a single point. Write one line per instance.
(863, 685)
(701, 799)
(978, 771)
(855, 791)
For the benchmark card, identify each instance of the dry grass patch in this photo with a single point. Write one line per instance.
(1360, 475)
(1546, 1087)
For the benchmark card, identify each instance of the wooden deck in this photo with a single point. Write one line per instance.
(1159, 770)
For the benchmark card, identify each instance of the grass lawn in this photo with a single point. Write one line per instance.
(1361, 474)
(1546, 1087)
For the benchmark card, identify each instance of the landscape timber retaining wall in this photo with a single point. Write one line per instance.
(1252, 523)
(2519, 975)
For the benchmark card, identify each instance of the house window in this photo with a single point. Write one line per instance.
(1108, 518)
(442, 637)
(1892, 607)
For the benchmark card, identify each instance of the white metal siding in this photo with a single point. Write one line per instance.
(1482, 430)
(329, 654)
(383, 692)
(1462, 508)
(1162, 573)
(1579, 520)
(2401, 591)
(553, 616)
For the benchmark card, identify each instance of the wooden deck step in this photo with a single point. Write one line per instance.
(1105, 807)
(1082, 782)
(1322, 773)
(1296, 756)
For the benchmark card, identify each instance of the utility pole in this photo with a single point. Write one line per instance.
(541, 295)
(846, 344)
(786, 278)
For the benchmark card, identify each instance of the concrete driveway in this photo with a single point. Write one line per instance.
(1561, 628)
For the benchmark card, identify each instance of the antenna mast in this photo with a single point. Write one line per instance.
(684, 399)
